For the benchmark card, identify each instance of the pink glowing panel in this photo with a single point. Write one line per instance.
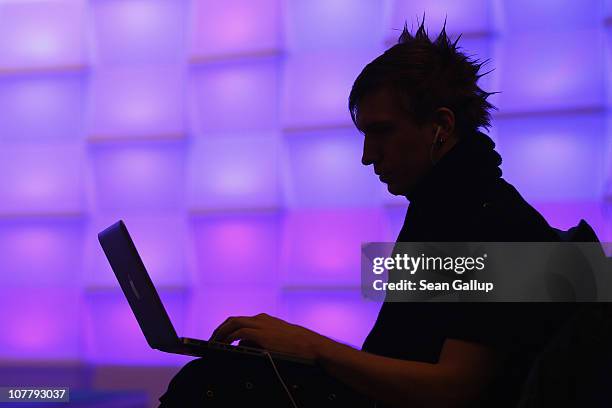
(41, 34)
(555, 158)
(112, 334)
(342, 315)
(322, 24)
(322, 247)
(316, 87)
(551, 71)
(235, 27)
(161, 240)
(470, 17)
(324, 170)
(235, 96)
(235, 172)
(41, 179)
(140, 31)
(241, 249)
(211, 305)
(40, 324)
(526, 15)
(141, 101)
(564, 215)
(42, 108)
(138, 175)
(41, 252)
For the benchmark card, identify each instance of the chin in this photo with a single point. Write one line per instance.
(394, 189)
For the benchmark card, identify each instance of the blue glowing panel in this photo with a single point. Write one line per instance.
(112, 334)
(608, 61)
(322, 247)
(42, 108)
(235, 96)
(235, 172)
(316, 87)
(567, 214)
(235, 27)
(138, 175)
(341, 315)
(323, 24)
(161, 240)
(42, 323)
(240, 249)
(41, 179)
(324, 170)
(556, 157)
(527, 15)
(41, 34)
(551, 71)
(211, 305)
(140, 31)
(396, 215)
(41, 252)
(472, 16)
(141, 101)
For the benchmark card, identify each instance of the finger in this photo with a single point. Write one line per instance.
(248, 343)
(245, 334)
(231, 325)
(214, 333)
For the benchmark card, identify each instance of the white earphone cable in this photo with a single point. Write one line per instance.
(281, 379)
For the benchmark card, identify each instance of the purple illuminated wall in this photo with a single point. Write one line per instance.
(219, 132)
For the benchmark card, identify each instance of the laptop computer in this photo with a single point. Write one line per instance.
(148, 308)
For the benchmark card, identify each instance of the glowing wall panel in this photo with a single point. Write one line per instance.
(551, 71)
(41, 179)
(525, 15)
(42, 323)
(41, 34)
(161, 240)
(235, 172)
(234, 96)
(138, 175)
(140, 31)
(342, 315)
(322, 247)
(555, 158)
(323, 169)
(473, 16)
(316, 87)
(322, 24)
(42, 108)
(235, 27)
(212, 305)
(112, 335)
(143, 101)
(44, 252)
(241, 249)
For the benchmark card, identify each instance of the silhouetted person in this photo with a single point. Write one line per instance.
(420, 109)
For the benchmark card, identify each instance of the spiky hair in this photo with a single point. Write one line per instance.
(427, 75)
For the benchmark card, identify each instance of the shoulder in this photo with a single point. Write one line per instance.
(504, 215)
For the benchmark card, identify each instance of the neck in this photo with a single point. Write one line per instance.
(463, 165)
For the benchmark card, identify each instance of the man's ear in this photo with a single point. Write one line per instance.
(445, 118)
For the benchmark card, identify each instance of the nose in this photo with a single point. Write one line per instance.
(370, 152)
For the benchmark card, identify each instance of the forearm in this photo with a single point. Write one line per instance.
(396, 382)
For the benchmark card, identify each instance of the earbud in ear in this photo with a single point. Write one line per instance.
(438, 141)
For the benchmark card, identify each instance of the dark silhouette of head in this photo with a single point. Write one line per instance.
(414, 102)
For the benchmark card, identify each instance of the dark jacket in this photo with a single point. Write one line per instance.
(464, 199)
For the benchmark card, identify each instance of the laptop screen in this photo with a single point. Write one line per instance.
(137, 286)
